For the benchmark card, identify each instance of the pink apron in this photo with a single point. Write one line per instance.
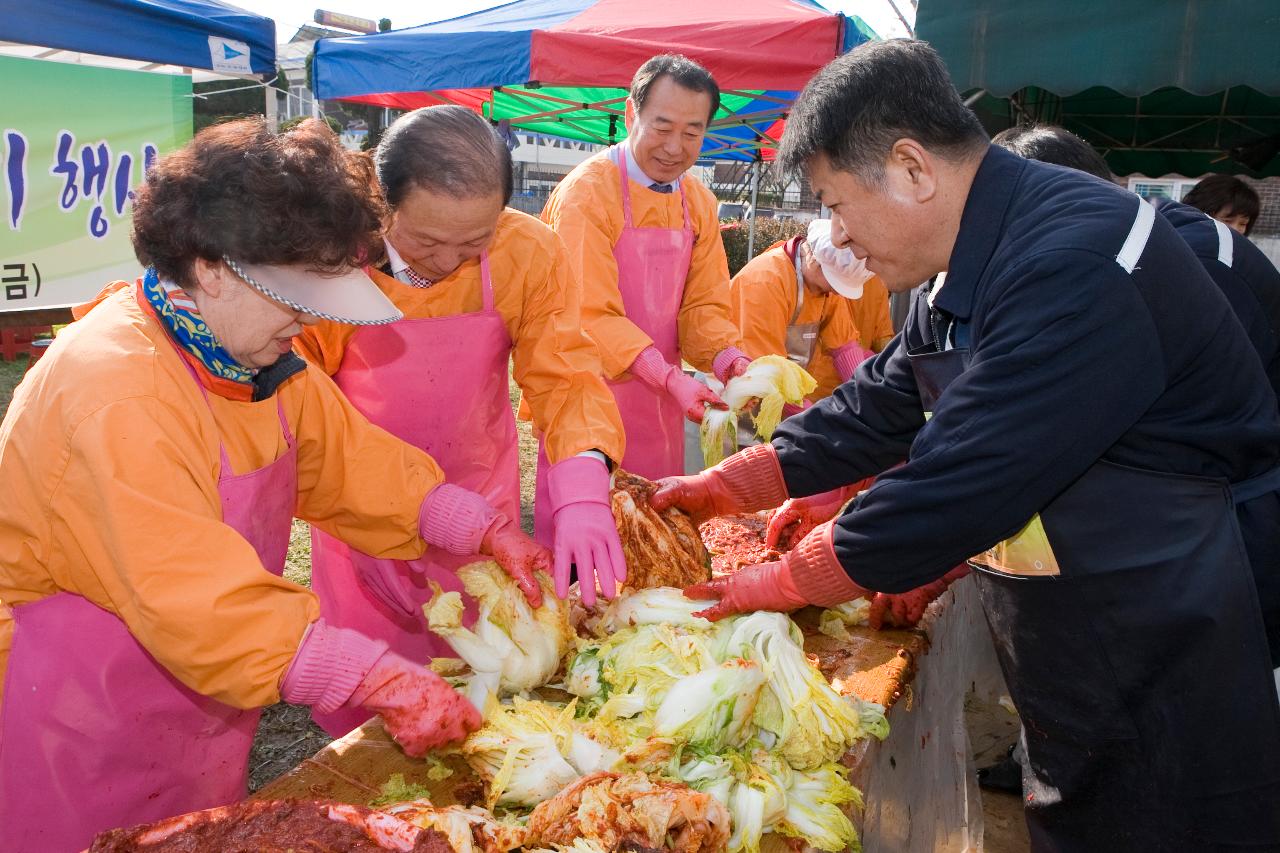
(439, 384)
(94, 733)
(653, 264)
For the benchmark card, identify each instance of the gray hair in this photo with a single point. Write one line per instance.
(861, 103)
(446, 149)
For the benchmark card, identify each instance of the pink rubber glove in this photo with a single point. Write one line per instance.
(692, 396)
(810, 574)
(747, 481)
(728, 363)
(905, 609)
(339, 666)
(328, 666)
(584, 534)
(788, 410)
(386, 580)
(848, 357)
(462, 522)
(418, 708)
(519, 555)
(798, 516)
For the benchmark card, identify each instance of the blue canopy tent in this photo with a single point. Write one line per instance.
(187, 33)
(561, 67)
(186, 41)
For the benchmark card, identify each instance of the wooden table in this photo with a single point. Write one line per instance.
(876, 665)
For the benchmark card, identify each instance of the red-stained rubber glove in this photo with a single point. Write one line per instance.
(462, 522)
(519, 555)
(798, 516)
(905, 609)
(810, 574)
(692, 396)
(585, 534)
(747, 481)
(418, 708)
(764, 586)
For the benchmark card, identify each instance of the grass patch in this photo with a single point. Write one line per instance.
(297, 561)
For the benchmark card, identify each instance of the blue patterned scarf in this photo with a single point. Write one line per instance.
(182, 319)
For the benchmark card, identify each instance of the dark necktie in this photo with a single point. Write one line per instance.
(660, 188)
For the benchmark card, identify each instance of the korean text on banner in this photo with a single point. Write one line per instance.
(74, 143)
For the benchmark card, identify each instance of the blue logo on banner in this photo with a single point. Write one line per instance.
(228, 53)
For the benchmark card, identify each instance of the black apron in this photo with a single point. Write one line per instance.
(1133, 646)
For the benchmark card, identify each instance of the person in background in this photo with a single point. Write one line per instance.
(1227, 199)
(1251, 284)
(1051, 144)
(1079, 408)
(871, 315)
(643, 235)
(795, 299)
(480, 286)
(153, 462)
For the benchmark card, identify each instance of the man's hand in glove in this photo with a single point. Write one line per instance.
(798, 516)
(747, 481)
(905, 609)
(810, 574)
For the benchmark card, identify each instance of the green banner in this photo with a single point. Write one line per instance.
(74, 142)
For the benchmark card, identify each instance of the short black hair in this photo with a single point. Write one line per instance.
(446, 149)
(683, 71)
(1218, 193)
(864, 101)
(1052, 144)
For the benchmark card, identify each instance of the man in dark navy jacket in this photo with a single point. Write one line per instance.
(1251, 284)
(1078, 407)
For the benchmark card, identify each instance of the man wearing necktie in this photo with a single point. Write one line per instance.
(645, 239)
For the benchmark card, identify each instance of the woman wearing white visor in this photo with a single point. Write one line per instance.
(152, 463)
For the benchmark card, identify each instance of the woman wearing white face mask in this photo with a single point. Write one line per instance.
(796, 299)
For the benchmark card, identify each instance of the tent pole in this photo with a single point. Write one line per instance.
(273, 118)
(751, 233)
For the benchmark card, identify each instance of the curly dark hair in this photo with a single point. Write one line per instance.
(239, 190)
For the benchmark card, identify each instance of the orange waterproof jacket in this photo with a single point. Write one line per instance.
(535, 291)
(871, 314)
(586, 211)
(109, 459)
(764, 299)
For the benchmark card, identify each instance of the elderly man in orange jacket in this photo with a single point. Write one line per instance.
(481, 286)
(644, 236)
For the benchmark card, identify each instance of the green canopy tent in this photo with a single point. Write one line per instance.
(1158, 86)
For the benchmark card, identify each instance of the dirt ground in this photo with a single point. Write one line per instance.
(286, 734)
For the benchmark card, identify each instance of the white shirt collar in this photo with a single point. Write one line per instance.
(394, 260)
(633, 168)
